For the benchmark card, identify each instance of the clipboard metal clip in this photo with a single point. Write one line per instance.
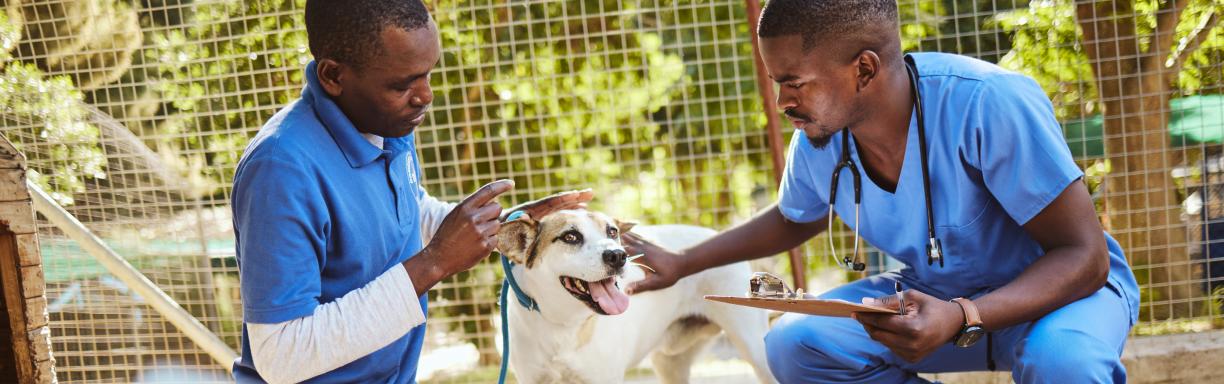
(769, 286)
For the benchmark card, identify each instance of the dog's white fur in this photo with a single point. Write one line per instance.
(568, 342)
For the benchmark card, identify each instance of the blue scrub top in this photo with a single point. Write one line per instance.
(997, 158)
(318, 213)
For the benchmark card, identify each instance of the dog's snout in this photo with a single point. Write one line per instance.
(615, 258)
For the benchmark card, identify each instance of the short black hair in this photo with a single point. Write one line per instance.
(873, 22)
(349, 31)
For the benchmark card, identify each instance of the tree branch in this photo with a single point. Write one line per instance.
(1167, 18)
(1191, 43)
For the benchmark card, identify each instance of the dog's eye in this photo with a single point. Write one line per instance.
(612, 232)
(572, 237)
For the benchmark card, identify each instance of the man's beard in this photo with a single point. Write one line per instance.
(817, 141)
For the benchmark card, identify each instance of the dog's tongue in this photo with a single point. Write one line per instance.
(609, 297)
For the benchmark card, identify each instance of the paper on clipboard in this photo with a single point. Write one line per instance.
(820, 307)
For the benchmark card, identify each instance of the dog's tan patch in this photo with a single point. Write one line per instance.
(517, 238)
(585, 331)
(687, 331)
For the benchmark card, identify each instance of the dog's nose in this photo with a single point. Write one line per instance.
(615, 258)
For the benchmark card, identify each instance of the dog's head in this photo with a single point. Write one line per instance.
(570, 255)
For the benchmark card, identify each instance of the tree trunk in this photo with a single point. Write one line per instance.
(1141, 198)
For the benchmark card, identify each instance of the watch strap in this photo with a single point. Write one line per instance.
(971, 313)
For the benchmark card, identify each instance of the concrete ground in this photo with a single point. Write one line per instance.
(719, 365)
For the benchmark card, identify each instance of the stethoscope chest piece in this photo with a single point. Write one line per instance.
(935, 252)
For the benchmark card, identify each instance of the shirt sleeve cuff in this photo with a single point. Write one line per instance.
(802, 216)
(398, 277)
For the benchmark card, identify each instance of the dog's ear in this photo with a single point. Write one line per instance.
(624, 225)
(516, 239)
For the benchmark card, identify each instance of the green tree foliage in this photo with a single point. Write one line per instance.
(1046, 45)
(221, 74)
(1044, 38)
(617, 97)
(45, 117)
(91, 42)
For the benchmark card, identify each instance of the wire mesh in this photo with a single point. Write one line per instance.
(135, 112)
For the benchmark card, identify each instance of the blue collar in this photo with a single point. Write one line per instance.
(356, 149)
(523, 299)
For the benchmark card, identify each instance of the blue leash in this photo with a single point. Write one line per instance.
(505, 331)
(526, 301)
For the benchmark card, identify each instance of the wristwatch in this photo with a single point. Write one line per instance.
(972, 330)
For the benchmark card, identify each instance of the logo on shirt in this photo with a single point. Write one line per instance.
(412, 171)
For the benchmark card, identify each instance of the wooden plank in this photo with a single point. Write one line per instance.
(27, 250)
(21, 275)
(12, 185)
(10, 283)
(40, 342)
(36, 312)
(45, 370)
(10, 157)
(32, 282)
(11, 160)
(18, 216)
(12, 173)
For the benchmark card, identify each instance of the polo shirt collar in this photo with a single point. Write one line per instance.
(356, 149)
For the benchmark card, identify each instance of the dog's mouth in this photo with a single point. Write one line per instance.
(604, 296)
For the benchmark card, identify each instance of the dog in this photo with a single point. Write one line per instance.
(587, 330)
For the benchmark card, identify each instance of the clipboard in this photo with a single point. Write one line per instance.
(819, 307)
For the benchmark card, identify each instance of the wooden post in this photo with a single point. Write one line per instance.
(765, 88)
(25, 356)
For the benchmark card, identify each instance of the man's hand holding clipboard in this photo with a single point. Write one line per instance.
(925, 324)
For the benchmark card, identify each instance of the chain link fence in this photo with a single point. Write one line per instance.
(134, 113)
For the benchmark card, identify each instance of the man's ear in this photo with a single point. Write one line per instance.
(517, 238)
(330, 74)
(624, 225)
(867, 66)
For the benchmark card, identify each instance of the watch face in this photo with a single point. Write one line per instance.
(969, 336)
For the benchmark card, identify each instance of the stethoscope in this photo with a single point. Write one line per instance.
(934, 247)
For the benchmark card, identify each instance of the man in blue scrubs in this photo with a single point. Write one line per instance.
(1029, 281)
(337, 242)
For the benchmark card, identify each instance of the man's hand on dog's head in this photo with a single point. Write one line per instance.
(552, 203)
(664, 267)
(466, 236)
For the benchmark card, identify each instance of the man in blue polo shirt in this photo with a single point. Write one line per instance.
(337, 242)
(1018, 275)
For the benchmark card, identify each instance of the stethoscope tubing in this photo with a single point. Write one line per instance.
(934, 246)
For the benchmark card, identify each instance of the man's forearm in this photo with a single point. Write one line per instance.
(766, 234)
(424, 272)
(1056, 279)
(337, 333)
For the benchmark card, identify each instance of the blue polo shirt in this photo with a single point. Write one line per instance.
(320, 212)
(997, 158)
